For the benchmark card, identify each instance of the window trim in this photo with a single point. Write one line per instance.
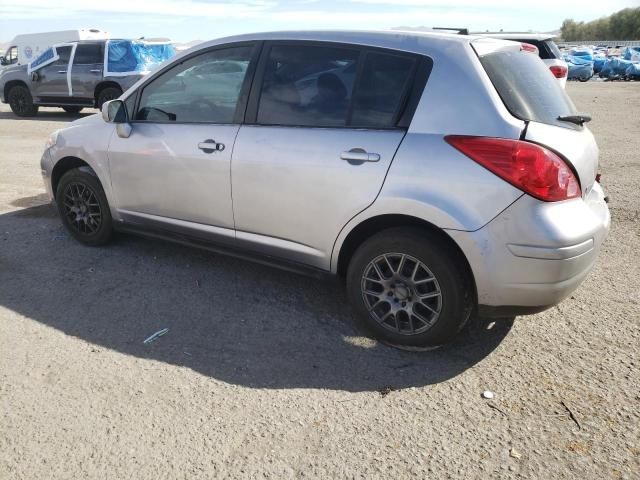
(241, 107)
(402, 118)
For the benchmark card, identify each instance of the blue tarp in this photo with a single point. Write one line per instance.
(633, 71)
(598, 62)
(631, 53)
(136, 56)
(586, 53)
(580, 72)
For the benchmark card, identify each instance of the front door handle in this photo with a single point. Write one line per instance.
(96, 71)
(210, 146)
(62, 71)
(357, 156)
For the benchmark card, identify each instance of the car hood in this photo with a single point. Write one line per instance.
(88, 120)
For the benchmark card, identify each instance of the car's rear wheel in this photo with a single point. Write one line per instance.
(21, 101)
(83, 207)
(72, 109)
(109, 93)
(408, 288)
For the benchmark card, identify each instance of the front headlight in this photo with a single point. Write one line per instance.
(52, 140)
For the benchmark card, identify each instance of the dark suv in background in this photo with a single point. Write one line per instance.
(80, 74)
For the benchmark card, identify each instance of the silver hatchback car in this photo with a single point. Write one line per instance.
(439, 175)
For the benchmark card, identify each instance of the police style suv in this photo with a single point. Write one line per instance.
(80, 74)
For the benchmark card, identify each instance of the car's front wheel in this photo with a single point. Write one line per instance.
(21, 101)
(408, 288)
(83, 207)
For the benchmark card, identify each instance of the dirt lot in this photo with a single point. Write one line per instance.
(263, 375)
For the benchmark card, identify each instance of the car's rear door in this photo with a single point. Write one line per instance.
(323, 125)
(173, 171)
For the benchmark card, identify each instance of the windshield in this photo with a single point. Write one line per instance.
(134, 56)
(527, 87)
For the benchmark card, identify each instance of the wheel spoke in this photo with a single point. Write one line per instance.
(426, 296)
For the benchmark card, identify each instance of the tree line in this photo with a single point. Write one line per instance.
(622, 25)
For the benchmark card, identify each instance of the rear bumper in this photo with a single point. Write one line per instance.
(534, 254)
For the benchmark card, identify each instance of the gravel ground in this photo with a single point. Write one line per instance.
(262, 373)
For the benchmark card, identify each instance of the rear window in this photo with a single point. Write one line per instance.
(527, 87)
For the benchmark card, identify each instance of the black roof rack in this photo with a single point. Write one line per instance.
(461, 31)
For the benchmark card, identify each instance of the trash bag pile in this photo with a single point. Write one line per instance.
(585, 61)
(581, 67)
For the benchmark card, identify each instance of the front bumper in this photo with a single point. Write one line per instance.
(534, 254)
(46, 167)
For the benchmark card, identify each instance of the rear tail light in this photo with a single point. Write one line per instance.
(527, 47)
(559, 71)
(527, 166)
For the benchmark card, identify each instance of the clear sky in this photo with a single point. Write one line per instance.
(186, 20)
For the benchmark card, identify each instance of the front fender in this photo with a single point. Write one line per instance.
(72, 142)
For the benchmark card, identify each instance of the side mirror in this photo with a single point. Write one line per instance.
(115, 111)
(3, 61)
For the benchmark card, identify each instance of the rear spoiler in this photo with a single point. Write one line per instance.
(459, 31)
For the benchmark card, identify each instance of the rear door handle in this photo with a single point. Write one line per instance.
(62, 71)
(210, 146)
(359, 155)
(96, 71)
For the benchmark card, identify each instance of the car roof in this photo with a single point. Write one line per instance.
(519, 36)
(411, 41)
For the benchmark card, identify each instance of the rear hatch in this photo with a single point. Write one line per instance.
(531, 93)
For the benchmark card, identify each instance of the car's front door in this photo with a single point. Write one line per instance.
(174, 169)
(86, 69)
(325, 130)
(52, 80)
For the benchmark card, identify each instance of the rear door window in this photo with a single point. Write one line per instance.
(527, 87)
(307, 86)
(87, 54)
(327, 86)
(381, 89)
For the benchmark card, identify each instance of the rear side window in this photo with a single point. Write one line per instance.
(88, 54)
(381, 89)
(322, 86)
(527, 87)
(307, 86)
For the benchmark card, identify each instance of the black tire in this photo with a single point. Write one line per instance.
(21, 101)
(109, 93)
(453, 305)
(77, 189)
(72, 109)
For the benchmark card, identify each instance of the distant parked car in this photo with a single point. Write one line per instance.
(80, 74)
(547, 50)
(439, 175)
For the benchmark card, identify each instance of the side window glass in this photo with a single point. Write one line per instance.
(307, 86)
(381, 90)
(12, 55)
(88, 54)
(205, 88)
(64, 53)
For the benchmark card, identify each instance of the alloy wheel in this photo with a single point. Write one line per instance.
(82, 209)
(401, 293)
